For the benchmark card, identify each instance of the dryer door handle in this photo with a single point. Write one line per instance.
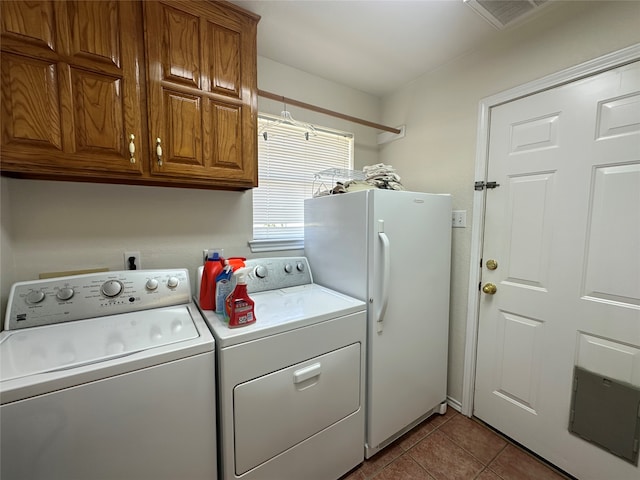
(306, 373)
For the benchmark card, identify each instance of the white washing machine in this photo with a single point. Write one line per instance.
(107, 376)
(291, 386)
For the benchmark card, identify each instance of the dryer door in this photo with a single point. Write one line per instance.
(275, 412)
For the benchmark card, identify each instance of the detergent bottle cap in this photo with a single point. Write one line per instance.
(215, 254)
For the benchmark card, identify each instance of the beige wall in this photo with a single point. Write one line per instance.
(49, 226)
(289, 82)
(440, 110)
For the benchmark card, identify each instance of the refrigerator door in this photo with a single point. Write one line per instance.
(335, 242)
(408, 321)
(365, 243)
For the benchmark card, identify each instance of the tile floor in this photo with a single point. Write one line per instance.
(453, 447)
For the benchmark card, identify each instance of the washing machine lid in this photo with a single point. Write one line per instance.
(32, 357)
(281, 310)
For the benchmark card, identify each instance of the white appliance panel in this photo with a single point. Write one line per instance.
(312, 459)
(46, 437)
(37, 350)
(409, 343)
(127, 395)
(278, 311)
(295, 404)
(335, 241)
(407, 350)
(299, 344)
(47, 361)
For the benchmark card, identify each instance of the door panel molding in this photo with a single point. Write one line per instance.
(587, 69)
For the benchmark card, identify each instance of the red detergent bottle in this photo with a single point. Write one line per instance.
(240, 306)
(212, 268)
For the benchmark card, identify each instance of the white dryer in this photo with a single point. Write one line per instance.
(107, 376)
(291, 386)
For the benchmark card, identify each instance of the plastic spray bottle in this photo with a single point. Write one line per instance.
(239, 305)
(223, 287)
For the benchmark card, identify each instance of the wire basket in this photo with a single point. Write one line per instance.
(325, 181)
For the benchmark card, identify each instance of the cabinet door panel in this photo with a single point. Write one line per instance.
(184, 145)
(30, 103)
(181, 49)
(225, 60)
(202, 92)
(99, 123)
(227, 135)
(98, 41)
(71, 88)
(29, 22)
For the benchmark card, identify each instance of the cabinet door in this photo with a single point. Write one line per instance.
(70, 99)
(202, 93)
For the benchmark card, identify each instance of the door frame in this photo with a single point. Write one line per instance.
(583, 70)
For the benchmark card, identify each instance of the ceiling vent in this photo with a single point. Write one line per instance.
(501, 13)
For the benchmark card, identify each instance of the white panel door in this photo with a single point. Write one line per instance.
(564, 229)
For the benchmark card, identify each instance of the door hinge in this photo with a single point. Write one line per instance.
(482, 185)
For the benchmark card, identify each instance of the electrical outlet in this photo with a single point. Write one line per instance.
(459, 219)
(132, 261)
(208, 252)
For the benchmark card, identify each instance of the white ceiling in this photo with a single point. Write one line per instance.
(375, 46)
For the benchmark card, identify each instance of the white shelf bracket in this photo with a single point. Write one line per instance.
(386, 137)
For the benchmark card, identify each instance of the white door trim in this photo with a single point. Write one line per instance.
(592, 67)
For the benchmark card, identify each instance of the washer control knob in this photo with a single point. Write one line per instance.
(261, 271)
(65, 293)
(151, 284)
(173, 282)
(300, 266)
(288, 268)
(112, 288)
(35, 296)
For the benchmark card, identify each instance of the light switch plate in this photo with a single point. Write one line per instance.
(459, 219)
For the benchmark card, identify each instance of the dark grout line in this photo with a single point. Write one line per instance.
(518, 445)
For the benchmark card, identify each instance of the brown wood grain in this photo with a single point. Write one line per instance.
(79, 77)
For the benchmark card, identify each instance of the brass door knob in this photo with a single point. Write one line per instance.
(492, 264)
(489, 288)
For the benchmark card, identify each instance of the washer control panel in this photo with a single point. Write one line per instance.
(277, 272)
(78, 297)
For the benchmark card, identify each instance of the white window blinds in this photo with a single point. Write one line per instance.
(288, 157)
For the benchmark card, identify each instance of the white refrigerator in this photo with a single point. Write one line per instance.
(391, 249)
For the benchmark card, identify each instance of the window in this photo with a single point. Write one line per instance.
(288, 157)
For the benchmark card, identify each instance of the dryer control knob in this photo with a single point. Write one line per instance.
(173, 282)
(34, 296)
(288, 268)
(151, 284)
(261, 271)
(65, 293)
(300, 266)
(112, 288)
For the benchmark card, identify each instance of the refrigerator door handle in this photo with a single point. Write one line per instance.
(386, 264)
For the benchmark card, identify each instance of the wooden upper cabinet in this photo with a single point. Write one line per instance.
(70, 94)
(74, 90)
(202, 92)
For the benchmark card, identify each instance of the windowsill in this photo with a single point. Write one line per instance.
(275, 245)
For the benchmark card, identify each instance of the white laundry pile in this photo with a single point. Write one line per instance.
(382, 176)
(372, 176)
